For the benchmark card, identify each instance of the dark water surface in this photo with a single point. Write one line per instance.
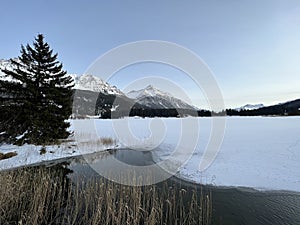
(232, 206)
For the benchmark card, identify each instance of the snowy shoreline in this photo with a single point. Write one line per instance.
(262, 153)
(29, 155)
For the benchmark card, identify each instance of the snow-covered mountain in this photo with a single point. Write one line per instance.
(155, 98)
(90, 90)
(5, 64)
(89, 82)
(146, 92)
(250, 107)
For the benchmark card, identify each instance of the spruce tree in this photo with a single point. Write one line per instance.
(35, 104)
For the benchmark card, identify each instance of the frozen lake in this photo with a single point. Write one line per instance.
(257, 152)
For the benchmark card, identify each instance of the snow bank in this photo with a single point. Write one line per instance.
(30, 154)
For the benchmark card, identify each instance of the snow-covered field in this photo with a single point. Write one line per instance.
(31, 154)
(258, 152)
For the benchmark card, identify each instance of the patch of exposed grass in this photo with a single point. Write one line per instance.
(2, 156)
(107, 141)
(7, 155)
(92, 141)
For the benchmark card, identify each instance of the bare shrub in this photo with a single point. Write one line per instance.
(43, 151)
(107, 141)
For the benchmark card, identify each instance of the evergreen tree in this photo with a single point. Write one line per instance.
(38, 100)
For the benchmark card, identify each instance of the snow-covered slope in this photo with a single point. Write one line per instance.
(250, 107)
(5, 64)
(146, 92)
(155, 98)
(92, 83)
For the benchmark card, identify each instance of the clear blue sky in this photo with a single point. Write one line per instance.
(252, 47)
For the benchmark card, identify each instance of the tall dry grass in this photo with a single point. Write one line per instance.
(47, 196)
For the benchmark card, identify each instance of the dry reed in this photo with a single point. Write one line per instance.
(43, 195)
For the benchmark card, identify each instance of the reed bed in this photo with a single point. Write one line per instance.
(43, 195)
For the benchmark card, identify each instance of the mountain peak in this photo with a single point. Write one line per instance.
(250, 107)
(150, 90)
(89, 82)
(150, 87)
(155, 98)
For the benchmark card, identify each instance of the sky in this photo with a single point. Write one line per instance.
(251, 47)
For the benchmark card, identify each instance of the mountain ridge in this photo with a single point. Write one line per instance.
(157, 99)
(93, 83)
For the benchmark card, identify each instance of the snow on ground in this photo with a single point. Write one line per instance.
(30, 154)
(257, 152)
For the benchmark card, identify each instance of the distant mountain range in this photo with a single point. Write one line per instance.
(151, 101)
(150, 96)
(250, 107)
(289, 108)
(110, 100)
(93, 96)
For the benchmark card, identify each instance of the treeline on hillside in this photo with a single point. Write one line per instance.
(149, 112)
(286, 109)
(110, 106)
